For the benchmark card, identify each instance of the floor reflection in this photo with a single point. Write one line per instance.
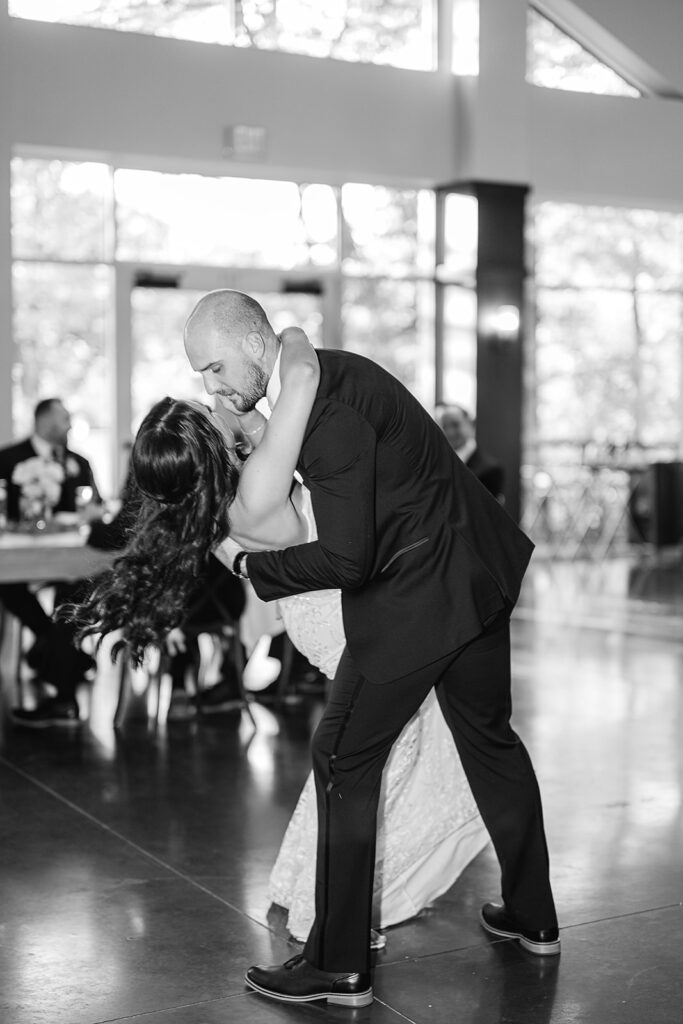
(135, 861)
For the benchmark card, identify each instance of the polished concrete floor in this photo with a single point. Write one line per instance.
(134, 863)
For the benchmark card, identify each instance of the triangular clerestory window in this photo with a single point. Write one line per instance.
(557, 61)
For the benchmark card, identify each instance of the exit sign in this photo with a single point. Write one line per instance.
(244, 142)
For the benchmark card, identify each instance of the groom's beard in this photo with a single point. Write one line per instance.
(254, 389)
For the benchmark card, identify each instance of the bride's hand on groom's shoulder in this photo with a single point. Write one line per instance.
(299, 360)
(293, 334)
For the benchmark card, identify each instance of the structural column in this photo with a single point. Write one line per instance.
(500, 283)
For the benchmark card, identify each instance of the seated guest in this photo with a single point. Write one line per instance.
(458, 427)
(52, 655)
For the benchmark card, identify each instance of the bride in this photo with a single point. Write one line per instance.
(203, 477)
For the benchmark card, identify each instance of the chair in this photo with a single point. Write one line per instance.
(284, 684)
(14, 647)
(11, 652)
(209, 615)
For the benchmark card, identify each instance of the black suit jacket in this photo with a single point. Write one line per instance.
(423, 554)
(82, 476)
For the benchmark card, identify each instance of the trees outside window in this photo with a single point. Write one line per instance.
(557, 61)
(62, 231)
(62, 318)
(396, 32)
(605, 367)
(79, 228)
(197, 219)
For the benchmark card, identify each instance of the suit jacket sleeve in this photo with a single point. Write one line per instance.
(338, 465)
(10, 457)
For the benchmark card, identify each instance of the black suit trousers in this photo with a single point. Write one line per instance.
(350, 748)
(60, 661)
(20, 600)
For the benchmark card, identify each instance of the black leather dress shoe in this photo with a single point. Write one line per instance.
(297, 981)
(496, 920)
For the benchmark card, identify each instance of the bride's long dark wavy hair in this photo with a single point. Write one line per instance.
(185, 478)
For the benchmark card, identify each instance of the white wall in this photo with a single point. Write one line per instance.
(606, 149)
(144, 101)
(160, 100)
(565, 145)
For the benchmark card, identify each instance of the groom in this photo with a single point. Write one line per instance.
(429, 566)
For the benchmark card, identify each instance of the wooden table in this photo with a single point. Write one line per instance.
(49, 555)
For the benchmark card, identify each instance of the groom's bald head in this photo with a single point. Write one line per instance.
(229, 340)
(230, 313)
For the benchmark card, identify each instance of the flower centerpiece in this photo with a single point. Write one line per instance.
(40, 481)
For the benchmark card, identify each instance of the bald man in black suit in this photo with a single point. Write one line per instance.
(429, 566)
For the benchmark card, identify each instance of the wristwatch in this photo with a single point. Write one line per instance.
(238, 563)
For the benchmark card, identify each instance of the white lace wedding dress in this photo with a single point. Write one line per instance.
(428, 827)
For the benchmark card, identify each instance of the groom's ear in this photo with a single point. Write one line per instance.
(254, 345)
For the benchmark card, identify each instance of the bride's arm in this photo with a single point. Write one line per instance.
(266, 481)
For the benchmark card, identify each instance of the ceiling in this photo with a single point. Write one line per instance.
(642, 40)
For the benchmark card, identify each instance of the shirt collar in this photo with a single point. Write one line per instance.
(42, 447)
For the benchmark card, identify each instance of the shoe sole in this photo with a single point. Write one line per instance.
(338, 998)
(538, 948)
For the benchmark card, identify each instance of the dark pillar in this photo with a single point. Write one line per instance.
(500, 283)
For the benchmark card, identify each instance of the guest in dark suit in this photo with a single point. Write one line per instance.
(459, 429)
(429, 567)
(53, 656)
(52, 424)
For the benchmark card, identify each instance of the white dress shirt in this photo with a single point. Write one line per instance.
(43, 448)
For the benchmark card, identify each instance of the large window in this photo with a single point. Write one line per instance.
(109, 262)
(61, 329)
(62, 231)
(388, 287)
(465, 37)
(392, 322)
(605, 372)
(610, 328)
(456, 276)
(62, 210)
(397, 32)
(191, 218)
